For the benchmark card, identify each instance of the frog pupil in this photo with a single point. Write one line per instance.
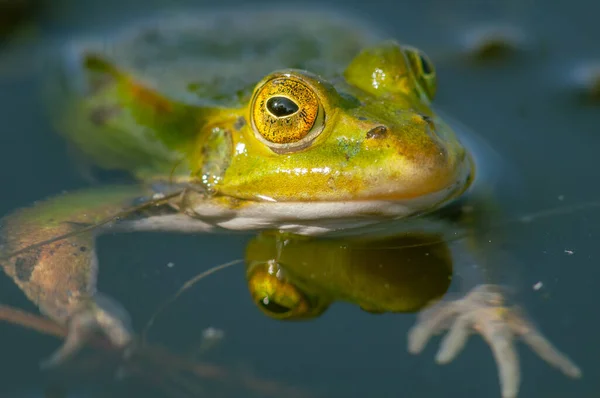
(272, 306)
(282, 106)
(425, 65)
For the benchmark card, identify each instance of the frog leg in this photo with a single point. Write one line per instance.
(59, 275)
(485, 310)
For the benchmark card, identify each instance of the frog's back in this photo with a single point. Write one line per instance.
(186, 61)
(215, 58)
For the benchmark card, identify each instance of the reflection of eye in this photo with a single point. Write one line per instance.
(423, 69)
(286, 113)
(270, 305)
(274, 295)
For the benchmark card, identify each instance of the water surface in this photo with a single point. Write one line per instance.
(522, 106)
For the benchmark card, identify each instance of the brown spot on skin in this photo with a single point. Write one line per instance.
(239, 123)
(98, 83)
(149, 97)
(25, 265)
(100, 115)
(377, 132)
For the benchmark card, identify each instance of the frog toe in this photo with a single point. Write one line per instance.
(455, 339)
(431, 322)
(542, 346)
(98, 314)
(483, 311)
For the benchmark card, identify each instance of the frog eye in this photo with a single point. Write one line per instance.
(275, 296)
(423, 69)
(286, 114)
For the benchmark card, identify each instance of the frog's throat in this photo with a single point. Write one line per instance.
(307, 218)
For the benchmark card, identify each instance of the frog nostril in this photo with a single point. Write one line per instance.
(377, 132)
(431, 127)
(429, 120)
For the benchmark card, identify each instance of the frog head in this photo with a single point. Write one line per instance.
(368, 135)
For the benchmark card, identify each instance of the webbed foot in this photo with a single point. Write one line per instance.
(97, 314)
(483, 311)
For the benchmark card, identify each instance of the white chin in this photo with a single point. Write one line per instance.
(316, 218)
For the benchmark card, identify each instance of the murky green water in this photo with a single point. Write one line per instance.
(523, 107)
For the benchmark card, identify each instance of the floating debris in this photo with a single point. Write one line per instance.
(585, 78)
(211, 337)
(158, 196)
(211, 333)
(493, 41)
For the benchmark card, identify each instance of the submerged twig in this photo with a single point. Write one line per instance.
(154, 356)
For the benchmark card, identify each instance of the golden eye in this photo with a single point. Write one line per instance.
(423, 69)
(286, 113)
(276, 297)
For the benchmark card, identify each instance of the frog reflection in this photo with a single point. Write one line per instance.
(297, 278)
(294, 278)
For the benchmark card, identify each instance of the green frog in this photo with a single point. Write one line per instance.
(305, 126)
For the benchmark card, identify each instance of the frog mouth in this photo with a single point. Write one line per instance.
(321, 217)
(313, 218)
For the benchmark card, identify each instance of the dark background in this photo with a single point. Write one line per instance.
(525, 106)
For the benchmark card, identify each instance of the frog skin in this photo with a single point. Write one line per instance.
(305, 124)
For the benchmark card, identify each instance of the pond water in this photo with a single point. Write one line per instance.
(525, 107)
